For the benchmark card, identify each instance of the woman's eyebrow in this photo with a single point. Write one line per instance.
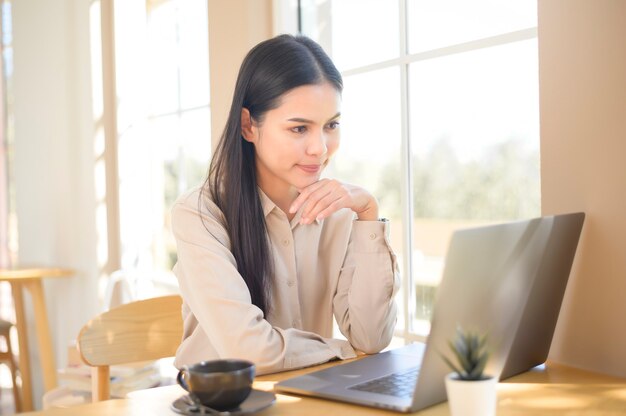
(307, 121)
(336, 116)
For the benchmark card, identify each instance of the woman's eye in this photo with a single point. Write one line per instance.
(299, 129)
(332, 125)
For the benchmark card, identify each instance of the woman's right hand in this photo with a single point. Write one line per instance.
(327, 196)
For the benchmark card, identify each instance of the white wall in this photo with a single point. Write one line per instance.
(234, 27)
(54, 161)
(582, 76)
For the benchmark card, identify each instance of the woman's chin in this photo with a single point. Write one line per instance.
(304, 182)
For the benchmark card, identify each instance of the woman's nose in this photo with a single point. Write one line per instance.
(317, 144)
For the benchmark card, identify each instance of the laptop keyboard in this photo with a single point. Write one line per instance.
(400, 384)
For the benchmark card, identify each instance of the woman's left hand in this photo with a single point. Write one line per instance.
(326, 196)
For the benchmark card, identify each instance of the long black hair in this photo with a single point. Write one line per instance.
(268, 71)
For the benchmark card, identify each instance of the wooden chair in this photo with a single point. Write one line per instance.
(7, 357)
(138, 331)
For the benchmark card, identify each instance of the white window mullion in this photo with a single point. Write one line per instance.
(407, 281)
(405, 58)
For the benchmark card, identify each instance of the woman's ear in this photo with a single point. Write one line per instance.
(248, 129)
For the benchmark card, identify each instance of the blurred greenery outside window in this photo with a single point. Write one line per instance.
(164, 146)
(440, 121)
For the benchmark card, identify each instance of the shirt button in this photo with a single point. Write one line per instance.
(290, 283)
(372, 236)
(285, 243)
(294, 323)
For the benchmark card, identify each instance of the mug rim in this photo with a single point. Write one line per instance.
(247, 366)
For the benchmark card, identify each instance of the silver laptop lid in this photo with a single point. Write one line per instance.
(505, 280)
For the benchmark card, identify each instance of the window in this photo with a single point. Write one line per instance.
(163, 122)
(8, 219)
(440, 121)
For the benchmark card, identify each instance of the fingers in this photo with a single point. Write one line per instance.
(322, 199)
(324, 202)
(304, 195)
(332, 207)
(326, 196)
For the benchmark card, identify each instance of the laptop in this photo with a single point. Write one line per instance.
(505, 280)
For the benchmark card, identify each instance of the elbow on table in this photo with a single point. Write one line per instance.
(374, 342)
(267, 353)
(374, 335)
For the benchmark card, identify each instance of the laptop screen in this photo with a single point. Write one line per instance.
(507, 281)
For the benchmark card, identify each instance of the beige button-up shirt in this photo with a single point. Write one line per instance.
(337, 265)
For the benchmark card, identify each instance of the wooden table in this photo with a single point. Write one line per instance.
(30, 278)
(548, 390)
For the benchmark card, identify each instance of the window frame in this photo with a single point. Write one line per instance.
(403, 61)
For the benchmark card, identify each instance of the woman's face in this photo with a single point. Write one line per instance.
(294, 142)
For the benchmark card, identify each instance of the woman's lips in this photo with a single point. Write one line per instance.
(310, 168)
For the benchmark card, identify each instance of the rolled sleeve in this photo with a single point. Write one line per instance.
(364, 301)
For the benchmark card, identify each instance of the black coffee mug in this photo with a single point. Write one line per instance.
(219, 384)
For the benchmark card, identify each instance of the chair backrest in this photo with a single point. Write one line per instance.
(143, 330)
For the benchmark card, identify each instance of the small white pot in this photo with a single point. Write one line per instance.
(471, 398)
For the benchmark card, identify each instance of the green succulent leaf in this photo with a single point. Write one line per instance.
(477, 372)
(451, 365)
(470, 355)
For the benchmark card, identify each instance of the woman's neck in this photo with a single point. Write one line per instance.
(283, 196)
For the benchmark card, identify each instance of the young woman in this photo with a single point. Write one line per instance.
(267, 251)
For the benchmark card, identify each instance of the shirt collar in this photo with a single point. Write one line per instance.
(267, 204)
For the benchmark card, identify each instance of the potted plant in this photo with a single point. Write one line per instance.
(470, 391)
